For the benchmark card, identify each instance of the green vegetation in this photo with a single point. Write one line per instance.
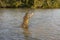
(30, 3)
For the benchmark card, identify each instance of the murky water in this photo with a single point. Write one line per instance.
(43, 25)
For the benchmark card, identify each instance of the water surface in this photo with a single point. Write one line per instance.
(43, 25)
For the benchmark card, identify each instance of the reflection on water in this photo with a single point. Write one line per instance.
(26, 33)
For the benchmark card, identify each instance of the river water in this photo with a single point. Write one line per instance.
(43, 25)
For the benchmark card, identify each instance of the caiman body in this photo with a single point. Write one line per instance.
(26, 20)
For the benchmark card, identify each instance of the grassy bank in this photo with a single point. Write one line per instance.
(30, 4)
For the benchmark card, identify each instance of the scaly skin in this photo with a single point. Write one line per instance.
(26, 20)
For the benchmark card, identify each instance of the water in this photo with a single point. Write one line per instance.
(43, 25)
